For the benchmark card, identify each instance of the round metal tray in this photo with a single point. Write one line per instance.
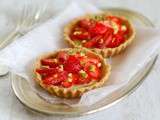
(30, 99)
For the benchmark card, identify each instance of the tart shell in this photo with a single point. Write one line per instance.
(71, 92)
(105, 52)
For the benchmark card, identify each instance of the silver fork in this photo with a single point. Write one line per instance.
(30, 18)
(26, 22)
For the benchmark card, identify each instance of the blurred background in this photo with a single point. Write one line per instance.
(13, 12)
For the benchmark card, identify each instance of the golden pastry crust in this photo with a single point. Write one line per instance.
(105, 52)
(71, 92)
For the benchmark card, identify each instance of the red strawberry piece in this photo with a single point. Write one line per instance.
(51, 80)
(62, 57)
(117, 40)
(123, 32)
(80, 34)
(55, 79)
(44, 71)
(91, 55)
(92, 70)
(98, 29)
(120, 38)
(100, 44)
(49, 62)
(72, 59)
(75, 78)
(86, 23)
(108, 37)
(84, 80)
(66, 84)
(93, 60)
(63, 75)
(115, 19)
(72, 65)
(91, 43)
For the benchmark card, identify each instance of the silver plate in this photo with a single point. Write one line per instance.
(30, 99)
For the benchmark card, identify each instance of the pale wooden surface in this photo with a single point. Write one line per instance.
(143, 104)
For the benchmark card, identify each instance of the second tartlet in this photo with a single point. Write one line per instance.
(105, 34)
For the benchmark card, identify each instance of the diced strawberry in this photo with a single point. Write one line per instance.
(118, 39)
(75, 78)
(99, 44)
(48, 80)
(116, 19)
(51, 80)
(92, 72)
(49, 62)
(95, 74)
(94, 60)
(98, 29)
(72, 65)
(80, 34)
(72, 59)
(91, 43)
(86, 23)
(122, 31)
(84, 80)
(63, 75)
(108, 37)
(91, 55)
(55, 79)
(66, 84)
(44, 71)
(62, 57)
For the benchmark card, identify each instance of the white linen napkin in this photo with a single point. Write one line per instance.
(20, 55)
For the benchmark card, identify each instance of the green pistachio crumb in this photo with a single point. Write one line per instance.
(71, 52)
(99, 17)
(83, 74)
(115, 27)
(92, 68)
(77, 43)
(83, 53)
(74, 87)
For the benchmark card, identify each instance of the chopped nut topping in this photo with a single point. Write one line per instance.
(115, 27)
(113, 40)
(78, 43)
(99, 17)
(124, 28)
(61, 67)
(69, 79)
(82, 53)
(77, 32)
(101, 40)
(83, 74)
(84, 41)
(70, 75)
(99, 64)
(92, 68)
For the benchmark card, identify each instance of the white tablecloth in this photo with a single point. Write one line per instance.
(143, 104)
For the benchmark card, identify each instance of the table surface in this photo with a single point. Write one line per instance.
(143, 104)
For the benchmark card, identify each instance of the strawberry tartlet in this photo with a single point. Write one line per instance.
(70, 72)
(102, 33)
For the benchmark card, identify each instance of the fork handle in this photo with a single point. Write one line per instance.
(9, 39)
